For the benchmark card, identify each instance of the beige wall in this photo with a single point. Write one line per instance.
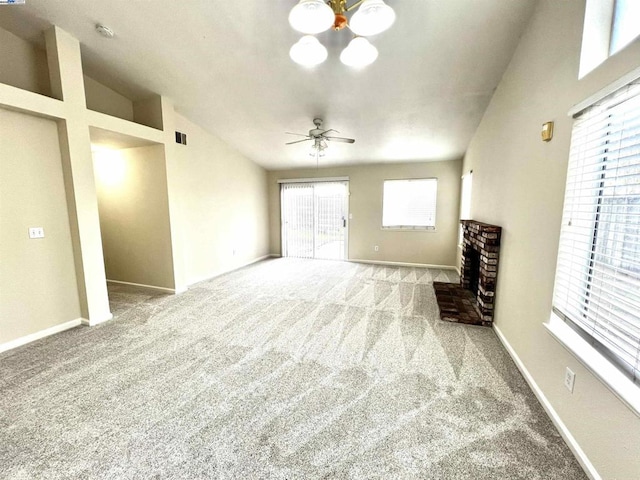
(365, 205)
(519, 184)
(23, 65)
(222, 204)
(134, 215)
(101, 98)
(38, 287)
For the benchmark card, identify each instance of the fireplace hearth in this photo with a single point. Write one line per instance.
(473, 300)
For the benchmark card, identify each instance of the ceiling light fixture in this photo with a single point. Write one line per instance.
(316, 16)
(308, 51)
(359, 53)
(373, 17)
(311, 16)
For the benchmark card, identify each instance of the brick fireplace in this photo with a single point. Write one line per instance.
(472, 301)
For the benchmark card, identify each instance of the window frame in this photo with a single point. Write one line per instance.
(587, 349)
(614, 47)
(418, 228)
(597, 35)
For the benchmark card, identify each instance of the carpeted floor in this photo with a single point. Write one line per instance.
(287, 369)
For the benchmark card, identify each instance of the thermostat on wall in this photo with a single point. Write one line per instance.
(547, 132)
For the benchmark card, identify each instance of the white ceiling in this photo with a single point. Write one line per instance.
(226, 66)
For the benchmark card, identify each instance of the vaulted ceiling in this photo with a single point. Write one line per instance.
(226, 66)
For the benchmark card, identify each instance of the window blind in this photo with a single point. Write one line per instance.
(597, 288)
(409, 203)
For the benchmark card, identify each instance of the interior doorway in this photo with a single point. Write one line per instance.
(314, 219)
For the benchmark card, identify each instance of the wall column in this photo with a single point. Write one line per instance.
(177, 243)
(67, 84)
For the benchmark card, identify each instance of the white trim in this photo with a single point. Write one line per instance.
(237, 267)
(410, 229)
(142, 285)
(94, 322)
(312, 180)
(616, 381)
(582, 458)
(609, 89)
(403, 264)
(18, 342)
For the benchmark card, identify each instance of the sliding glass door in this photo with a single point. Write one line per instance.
(314, 219)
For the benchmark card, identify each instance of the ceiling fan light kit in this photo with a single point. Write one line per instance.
(316, 16)
(320, 138)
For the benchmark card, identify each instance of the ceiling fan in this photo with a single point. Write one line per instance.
(319, 138)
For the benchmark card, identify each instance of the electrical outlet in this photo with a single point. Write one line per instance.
(569, 379)
(36, 232)
(375, 248)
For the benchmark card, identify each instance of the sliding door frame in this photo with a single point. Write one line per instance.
(347, 216)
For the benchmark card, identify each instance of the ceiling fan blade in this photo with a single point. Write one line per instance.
(298, 141)
(321, 134)
(340, 139)
(298, 134)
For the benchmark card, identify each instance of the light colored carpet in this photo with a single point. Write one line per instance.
(287, 369)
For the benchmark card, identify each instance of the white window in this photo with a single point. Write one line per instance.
(409, 204)
(609, 26)
(597, 290)
(626, 24)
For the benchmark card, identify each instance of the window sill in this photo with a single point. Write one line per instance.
(408, 229)
(619, 384)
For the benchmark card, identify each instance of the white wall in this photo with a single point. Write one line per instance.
(101, 98)
(518, 183)
(23, 65)
(223, 204)
(436, 247)
(38, 288)
(134, 215)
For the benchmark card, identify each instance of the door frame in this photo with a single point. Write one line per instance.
(320, 180)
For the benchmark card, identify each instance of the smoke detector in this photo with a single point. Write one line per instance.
(104, 31)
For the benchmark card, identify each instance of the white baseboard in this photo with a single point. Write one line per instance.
(18, 342)
(403, 264)
(582, 458)
(142, 285)
(96, 321)
(222, 272)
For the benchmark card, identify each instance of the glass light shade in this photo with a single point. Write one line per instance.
(311, 16)
(373, 17)
(308, 51)
(359, 53)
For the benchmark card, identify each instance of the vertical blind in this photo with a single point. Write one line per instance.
(298, 219)
(314, 219)
(597, 289)
(409, 203)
